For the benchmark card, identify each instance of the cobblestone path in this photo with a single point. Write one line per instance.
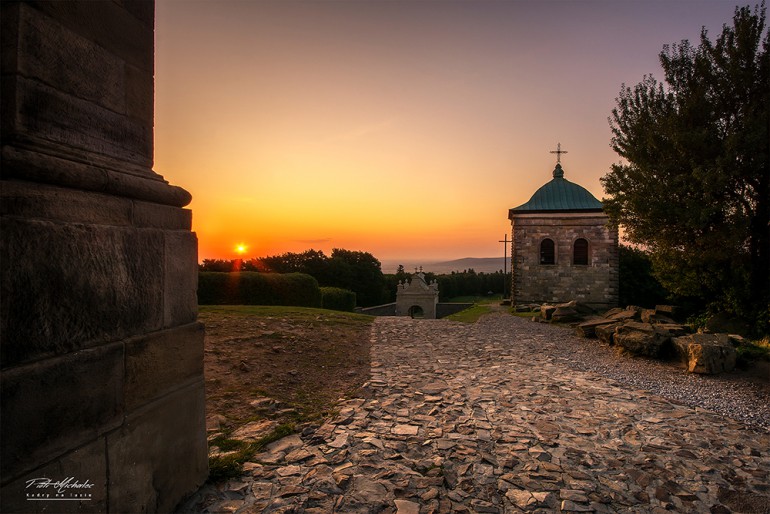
(483, 418)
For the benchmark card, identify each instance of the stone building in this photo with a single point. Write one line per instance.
(100, 347)
(417, 298)
(563, 247)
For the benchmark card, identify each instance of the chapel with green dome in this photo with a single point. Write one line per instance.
(563, 247)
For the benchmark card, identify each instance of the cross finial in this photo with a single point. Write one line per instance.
(558, 152)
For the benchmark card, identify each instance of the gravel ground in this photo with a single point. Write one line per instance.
(735, 395)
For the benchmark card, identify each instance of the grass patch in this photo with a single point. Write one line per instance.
(295, 313)
(225, 467)
(304, 359)
(226, 444)
(754, 351)
(470, 315)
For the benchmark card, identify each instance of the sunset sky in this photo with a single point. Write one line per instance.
(406, 129)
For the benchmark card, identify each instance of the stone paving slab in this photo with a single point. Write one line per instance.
(467, 418)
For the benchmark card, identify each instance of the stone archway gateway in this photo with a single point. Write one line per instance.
(417, 296)
(102, 356)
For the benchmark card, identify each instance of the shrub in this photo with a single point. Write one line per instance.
(338, 299)
(252, 288)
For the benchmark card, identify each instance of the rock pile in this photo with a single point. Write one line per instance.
(560, 313)
(654, 333)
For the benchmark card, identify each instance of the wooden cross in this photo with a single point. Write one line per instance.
(505, 265)
(558, 152)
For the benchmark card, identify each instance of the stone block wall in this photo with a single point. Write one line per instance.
(447, 309)
(100, 348)
(595, 284)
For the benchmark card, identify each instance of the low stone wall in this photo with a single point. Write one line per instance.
(388, 309)
(442, 309)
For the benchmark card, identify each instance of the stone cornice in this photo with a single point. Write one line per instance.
(94, 173)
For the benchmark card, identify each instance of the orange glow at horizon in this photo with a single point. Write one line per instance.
(403, 129)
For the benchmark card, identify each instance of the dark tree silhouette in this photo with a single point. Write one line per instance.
(695, 185)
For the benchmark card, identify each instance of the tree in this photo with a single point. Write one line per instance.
(401, 273)
(312, 262)
(694, 189)
(360, 272)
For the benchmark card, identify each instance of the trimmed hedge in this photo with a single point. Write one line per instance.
(338, 299)
(252, 288)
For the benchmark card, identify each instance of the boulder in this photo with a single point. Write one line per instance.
(672, 329)
(606, 333)
(565, 315)
(624, 315)
(641, 339)
(565, 312)
(669, 311)
(581, 308)
(614, 310)
(637, 326)
(647, 315)
(588, 328)
(523, 308)
(706, 353)
(652, 316)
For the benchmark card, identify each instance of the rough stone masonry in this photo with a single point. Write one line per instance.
(548, 263)
(101, 354)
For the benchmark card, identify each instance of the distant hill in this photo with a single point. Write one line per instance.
(485, 264)
(478, 264)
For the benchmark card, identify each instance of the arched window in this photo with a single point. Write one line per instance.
(580, 252)
(547, 254)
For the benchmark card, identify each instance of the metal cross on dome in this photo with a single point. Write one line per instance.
(558, 152)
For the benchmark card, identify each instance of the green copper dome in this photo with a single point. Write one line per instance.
(560, 195)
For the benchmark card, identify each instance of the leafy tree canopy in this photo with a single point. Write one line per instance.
(357, 271)
(694, 187)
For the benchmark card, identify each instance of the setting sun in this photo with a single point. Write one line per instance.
(241, 248)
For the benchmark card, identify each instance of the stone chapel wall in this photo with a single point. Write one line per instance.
(595, 284)
(101, 353)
